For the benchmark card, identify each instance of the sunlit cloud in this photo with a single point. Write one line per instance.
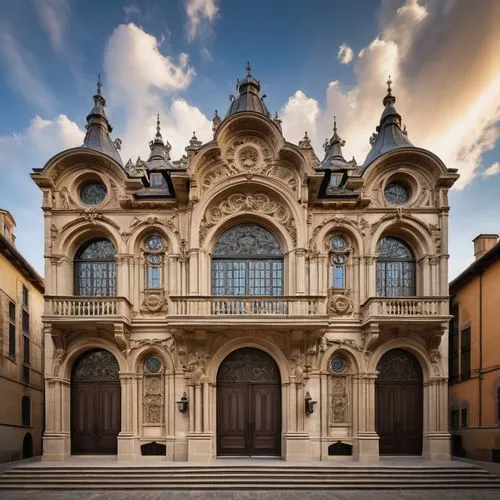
(200, 15)
(345, 54)
(493, 169)
(448, 96)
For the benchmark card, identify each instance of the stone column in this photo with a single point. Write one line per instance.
(126, 435)
(57, 438)
(300, 263)
(368, 439)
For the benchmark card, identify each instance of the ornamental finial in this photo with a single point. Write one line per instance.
(334, 124)
(99, 84)
(389, 83)
(158, 133)
(248, 68)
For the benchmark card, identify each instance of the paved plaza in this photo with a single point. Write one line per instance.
(250, 495)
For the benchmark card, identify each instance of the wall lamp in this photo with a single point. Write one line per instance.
(182, 404)
(309, 404)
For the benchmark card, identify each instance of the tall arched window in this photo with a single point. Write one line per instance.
(95, 269)
(247, 260)
(395, 268)
(338, 255)
(154, 256)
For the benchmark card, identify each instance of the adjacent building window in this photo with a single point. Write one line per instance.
(26, 411)
(26, 301)
(339, 249)
(395, 268)
(464, 414)
(95, 269)
(154, 256)
(12, 329)
(465, 353)
(453, 358)
(247, 260)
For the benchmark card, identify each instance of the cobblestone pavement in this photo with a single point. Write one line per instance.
(251, 495)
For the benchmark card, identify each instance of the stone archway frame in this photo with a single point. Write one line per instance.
(436, 439)
(281, 213)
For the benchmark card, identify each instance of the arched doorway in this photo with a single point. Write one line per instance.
(95, 403)
(27, 446)
(399, 405)
(248, 404)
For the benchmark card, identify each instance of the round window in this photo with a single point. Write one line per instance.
(154, 243)
(338, 243)
(338, 364)
(93, 193)
(152, 364)
(396, 194)
(154, 260)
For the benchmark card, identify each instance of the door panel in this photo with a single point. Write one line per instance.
(232, 414)
(265, 419)
(95, 417)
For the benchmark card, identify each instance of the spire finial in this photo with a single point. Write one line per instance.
(248, 68)
(389, 98)
(334, 124)
(389, 83)
(99, 84)
(158, 133)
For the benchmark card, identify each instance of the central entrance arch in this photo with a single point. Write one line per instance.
(399, 404)
(95, 403)
(248, 404)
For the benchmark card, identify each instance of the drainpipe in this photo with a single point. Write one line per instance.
(480, 349)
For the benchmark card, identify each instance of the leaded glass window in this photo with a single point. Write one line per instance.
(95, 269)
(93, 193)
(339, 250)
(396, 194)
(395, 268)
(247, 260)
(154, 255)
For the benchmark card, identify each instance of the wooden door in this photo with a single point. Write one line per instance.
(248, 405)
(399, 405)
(95, 404)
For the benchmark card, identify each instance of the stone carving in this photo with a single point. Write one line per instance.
(153, 219)
(154, 303)
(298, 366)
(66, 201)
(183, 252)
(153, 399)
(339, 304)
(167, 343)
(398, 364)
(250, 156)
(338, 400)
(324, 344)
(260, 203)
(96, 366)
(435, 354)
(248, 365)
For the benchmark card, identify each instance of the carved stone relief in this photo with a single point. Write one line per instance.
(153, 399)
(250, 156)
(260, 203)
(339, 304)
(338, 400)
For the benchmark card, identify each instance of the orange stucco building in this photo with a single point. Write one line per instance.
(474, 354)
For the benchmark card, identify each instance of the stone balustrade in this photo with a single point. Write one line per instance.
(87, 307)
(247, 305)
(404, 307)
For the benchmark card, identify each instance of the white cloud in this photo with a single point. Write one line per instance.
(443, 60)
(143, 81)
(20, 153)
(493, 169)
(131, 10)
(345, 54)
(201, 14)
(21, 70)
(53, 15)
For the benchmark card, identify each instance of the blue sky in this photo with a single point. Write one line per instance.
(314, 59)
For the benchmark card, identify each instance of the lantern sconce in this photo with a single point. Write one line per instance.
(182, 404)
(309, 404)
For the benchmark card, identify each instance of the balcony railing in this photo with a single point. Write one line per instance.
(87, 307)
(247, 305)
(397, 308)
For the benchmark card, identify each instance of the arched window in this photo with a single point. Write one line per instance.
(154, 252)
(247, 260)
(395, 268)
(95, 269)
(26, 410)
(338, 254)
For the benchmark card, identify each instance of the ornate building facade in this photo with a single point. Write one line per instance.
(249, 298)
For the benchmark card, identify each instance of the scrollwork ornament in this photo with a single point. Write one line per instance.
(339, 305)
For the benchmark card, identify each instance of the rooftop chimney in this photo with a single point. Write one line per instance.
(483, 243)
